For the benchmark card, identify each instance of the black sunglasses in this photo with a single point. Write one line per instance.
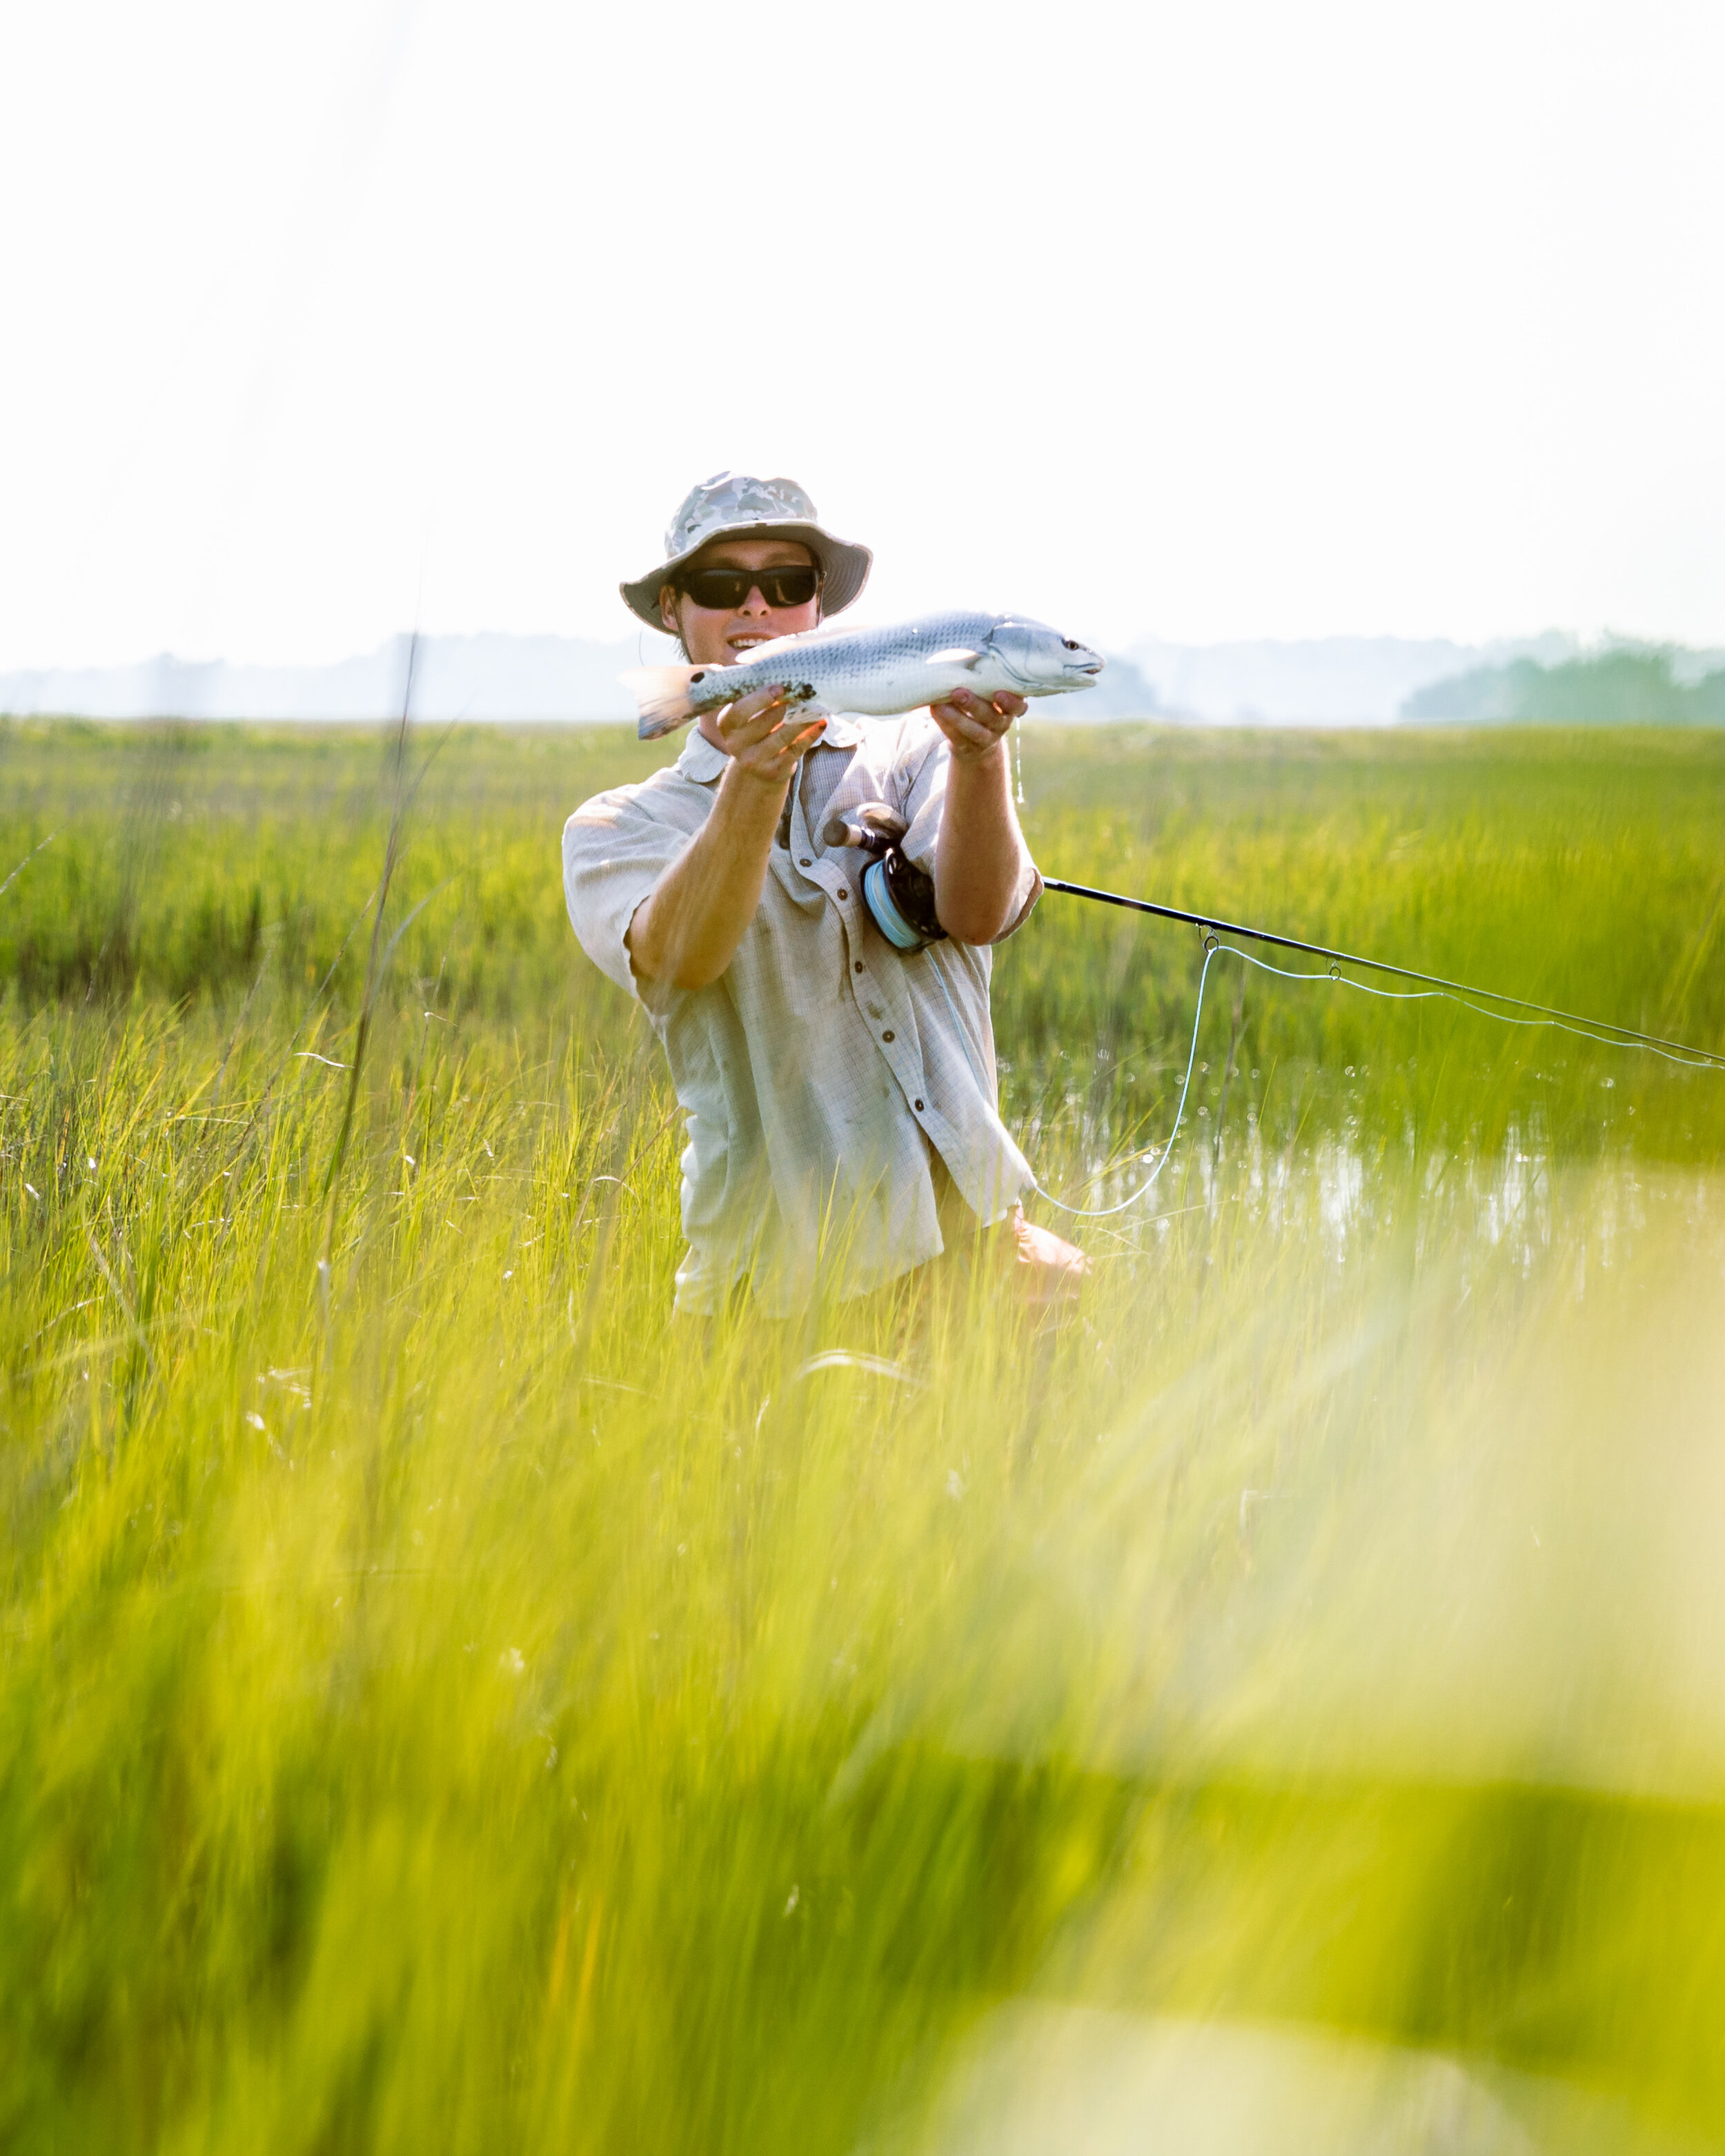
(721, 591)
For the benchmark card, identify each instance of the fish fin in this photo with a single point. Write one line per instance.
(959, 655)
(662, 693)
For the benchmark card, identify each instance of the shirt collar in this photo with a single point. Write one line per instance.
(699, 760)
(702, 762)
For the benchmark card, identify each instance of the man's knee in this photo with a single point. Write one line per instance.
(1049, 1270)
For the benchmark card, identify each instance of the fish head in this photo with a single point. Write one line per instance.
(1041, 662)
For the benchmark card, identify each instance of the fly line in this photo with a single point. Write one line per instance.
(1431, 987)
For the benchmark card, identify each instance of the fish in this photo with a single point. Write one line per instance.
(875, 673)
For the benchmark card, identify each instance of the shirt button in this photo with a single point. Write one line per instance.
(917, 1105)
(859, 965)
(843, 893)
(888, 1035)
(804, 862)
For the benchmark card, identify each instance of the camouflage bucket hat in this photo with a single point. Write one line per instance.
(731, 504)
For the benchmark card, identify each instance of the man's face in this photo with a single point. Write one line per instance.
(724, 636)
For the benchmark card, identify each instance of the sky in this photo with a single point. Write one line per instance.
(1204, 322)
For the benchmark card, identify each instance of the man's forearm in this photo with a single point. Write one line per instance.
(977, 862)
(687, 930)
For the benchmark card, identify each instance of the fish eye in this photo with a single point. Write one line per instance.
(1071, 644)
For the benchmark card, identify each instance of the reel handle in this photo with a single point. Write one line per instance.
(877, 829)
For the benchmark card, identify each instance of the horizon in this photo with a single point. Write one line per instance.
(1582, 644)
(505, 676)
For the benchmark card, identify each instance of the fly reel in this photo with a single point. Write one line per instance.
(900, 896)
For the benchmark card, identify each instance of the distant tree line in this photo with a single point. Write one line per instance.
(1630, 685)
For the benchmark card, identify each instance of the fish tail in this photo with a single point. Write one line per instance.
(662, 693)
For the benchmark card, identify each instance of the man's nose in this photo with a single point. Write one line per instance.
(754, 603)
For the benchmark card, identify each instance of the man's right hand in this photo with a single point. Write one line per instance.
(687, 929)
(764, 744)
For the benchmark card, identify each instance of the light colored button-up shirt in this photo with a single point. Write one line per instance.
(827, 1078)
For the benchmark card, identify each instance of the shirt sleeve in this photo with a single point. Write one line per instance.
(614, 852)
(922, 780)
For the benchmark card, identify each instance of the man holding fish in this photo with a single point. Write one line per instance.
(804, 904)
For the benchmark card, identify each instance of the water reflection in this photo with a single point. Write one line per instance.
(1341, 1188)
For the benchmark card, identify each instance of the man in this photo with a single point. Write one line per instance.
(839, 1093)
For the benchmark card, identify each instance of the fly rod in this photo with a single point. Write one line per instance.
(1622, 1036)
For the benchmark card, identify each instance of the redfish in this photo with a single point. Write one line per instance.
(876, 672)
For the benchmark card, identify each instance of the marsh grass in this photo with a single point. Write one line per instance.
(449, 1704)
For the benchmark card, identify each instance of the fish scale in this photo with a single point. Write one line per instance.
(877, 673)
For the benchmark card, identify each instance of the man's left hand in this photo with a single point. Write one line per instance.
(975, 725)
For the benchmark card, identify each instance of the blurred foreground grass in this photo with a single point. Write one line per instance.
(443, 1706)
